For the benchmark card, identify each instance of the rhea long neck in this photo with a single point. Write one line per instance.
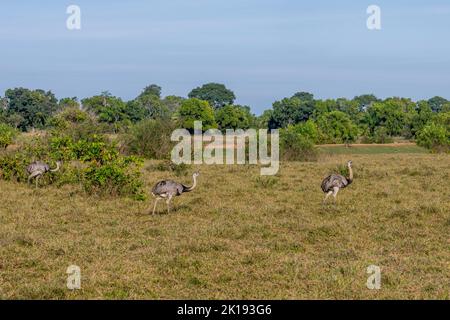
(350, 171)
(187, 189)
(57, 167)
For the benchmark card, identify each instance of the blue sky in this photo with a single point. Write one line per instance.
(263, 50)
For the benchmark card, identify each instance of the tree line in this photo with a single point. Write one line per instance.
(364, 118)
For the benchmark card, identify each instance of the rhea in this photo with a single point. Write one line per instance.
(38, 168)
(335, 182)
(167, 189)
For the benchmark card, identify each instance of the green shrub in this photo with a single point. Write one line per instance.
(296, 147)
(77, 124)
(435, 137)
(7, 135)
(308, 130)
(121, 177)
(95, 164)
(149, 138)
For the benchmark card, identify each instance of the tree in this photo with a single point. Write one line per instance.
(304, 96)
(436, 103)
(233, 117)
(33, 106)
(196, 110)
(365, 100)
(68, 103)
(337, 127)
(108, 108)
(421, 117)
(153, 90)
(395, 114)
(290, 111)
(307, 129)
(172, 103)
(263, 120)
(216, 94)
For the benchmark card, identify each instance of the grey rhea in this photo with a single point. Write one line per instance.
(38, 168)
(335, 182)
(167, 189)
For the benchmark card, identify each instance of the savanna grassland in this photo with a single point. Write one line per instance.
(238, 235)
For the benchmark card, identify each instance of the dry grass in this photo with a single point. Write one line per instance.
(238, 235)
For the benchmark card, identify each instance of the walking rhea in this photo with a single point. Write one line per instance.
(167, 189)
(38, 168)
(335, 182)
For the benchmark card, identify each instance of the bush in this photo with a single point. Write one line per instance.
(435, 137)
(77, 124)
(381, 136)
(120, 177)
(149, 138)
(7, 135)
(96, 165)
(308, 130)
(296, 147)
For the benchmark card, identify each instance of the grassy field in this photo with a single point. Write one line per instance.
(238, 235)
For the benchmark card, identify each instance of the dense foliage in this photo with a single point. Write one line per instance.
(7, 135)
(364, 118)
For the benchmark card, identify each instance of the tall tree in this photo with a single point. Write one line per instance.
(304, 96)
(436, 103)
(395, 114)
(108, 108)
(68, 103)
(33, 106)
(365, 100)
(216, 94)
(153, 90)
(233, 117)
(290, 111)
(196, 110)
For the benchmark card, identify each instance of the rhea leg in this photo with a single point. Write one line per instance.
(33, 175)
(37, 181)
(168, 202)
(335, 192)
(154, 207)
(326, 196)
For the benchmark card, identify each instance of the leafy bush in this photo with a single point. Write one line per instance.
(149, 138)
(296, 147)
(77, 124)
(435, 137)
(96, 165)
(7, 135)
(120, 177)
(308, 130)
